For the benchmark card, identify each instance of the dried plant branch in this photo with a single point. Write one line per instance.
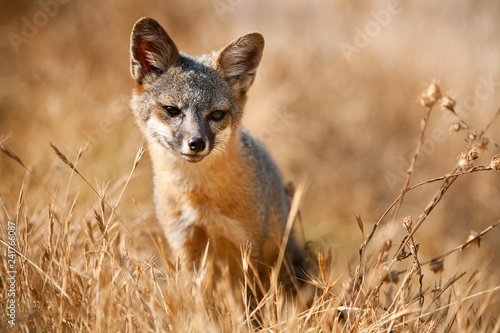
(63, 158)
(80, 153)
(434, 201)
(407, 223)
(292, 215)
(478, 168)
(491, 290)
(138, 157)
(428, 99)
(432, 204)
(488, 126)
(445, 186)
(460, 247)
(464, 165)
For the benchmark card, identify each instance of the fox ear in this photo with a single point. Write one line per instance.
(152, 50)
(238, 61)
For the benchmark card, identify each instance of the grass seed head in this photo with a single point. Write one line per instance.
(455, 127)
(424, 101)
(407, 222)
(448, 103)
(473, 154)
(431, 95)
(495, 162)
(61, 156)
(464, 163)
(9, 152)
(472, 136)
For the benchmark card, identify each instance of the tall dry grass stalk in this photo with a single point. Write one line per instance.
(100, 267)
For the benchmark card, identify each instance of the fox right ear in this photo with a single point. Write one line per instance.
(238, 62)
(152, 50)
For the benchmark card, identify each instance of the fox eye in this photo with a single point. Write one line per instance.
(217, 115)
(172, 111)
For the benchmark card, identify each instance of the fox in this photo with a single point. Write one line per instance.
(216, 188)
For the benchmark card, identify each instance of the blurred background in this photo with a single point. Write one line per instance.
(335, 102)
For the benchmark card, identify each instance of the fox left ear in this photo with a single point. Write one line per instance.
(238, 61)
(152, 50)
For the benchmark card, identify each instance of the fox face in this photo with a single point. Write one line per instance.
(190, 106)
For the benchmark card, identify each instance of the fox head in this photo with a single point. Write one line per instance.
(190, 106)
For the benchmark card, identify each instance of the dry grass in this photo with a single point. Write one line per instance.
(89, 254)
(90, 272)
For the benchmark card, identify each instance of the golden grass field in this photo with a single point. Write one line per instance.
(337, 102)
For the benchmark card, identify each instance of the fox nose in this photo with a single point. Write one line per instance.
(197, 144)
